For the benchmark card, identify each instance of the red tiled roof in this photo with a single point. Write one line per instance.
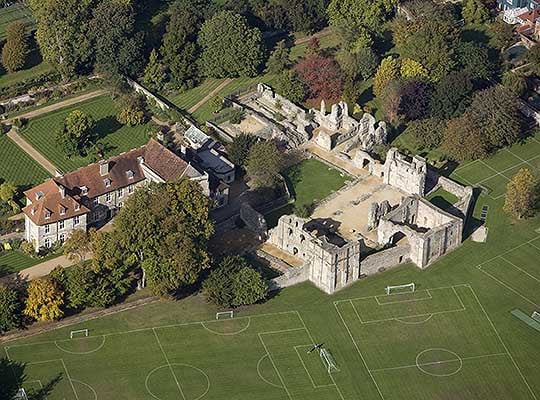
(531, 15)
(121, 171)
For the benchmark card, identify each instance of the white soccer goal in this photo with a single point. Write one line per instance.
(78, 333)
(536, 316)
(328, 360)
(225, 314)
(409, 287)
(21, 395)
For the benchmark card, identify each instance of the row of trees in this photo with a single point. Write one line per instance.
(15, 50)
(164, 247)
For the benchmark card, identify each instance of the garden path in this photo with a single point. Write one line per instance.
(38, 271)
(210, 95)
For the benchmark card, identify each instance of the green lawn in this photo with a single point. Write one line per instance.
(14, 261)
(191, 97)
(18, 167)
(117, 138)
(453, 338)
(309, 182)
(16, 12)
(442, 199)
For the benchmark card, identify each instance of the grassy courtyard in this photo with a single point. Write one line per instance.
(14, 261)
(18, 167)
(116, 138)
(308, 182)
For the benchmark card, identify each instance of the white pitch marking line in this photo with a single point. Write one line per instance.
(275, 367)
(480, 268)
(230, 333)
(262, 377)
(69, 379)
(525, 272)
(404, 301)
(438, 362)
(170, 366)
(358, 350)
(503, 344)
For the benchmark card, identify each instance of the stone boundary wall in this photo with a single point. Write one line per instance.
(220, 132)
(148, 94)
(464, 193)
(385, 259)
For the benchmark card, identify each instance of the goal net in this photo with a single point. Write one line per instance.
(536, 316)
(328, 360)
(225, 315)
(21, 395)
(78, 333)
(407, 288)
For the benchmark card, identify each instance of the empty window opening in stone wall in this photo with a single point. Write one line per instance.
(398, 238)
(302, 238)
(290, 232)
(295, 250)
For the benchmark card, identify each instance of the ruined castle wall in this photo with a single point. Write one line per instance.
(385, 259)
(438, 242)
(409, 176)
(429, 216)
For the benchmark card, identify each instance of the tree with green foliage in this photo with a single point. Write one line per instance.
(533, 57)
(354, 38)
(76, 133)
(358, 14)
(234, 283)
(264, 164)
(451, 95)
(388, 71)
(44, 300)
(522, 195)
(501, 34)
(116, 42)
(169, 240)
(475, 12)
(515, 82)
(473, 60)
(77, 245)
(216, 103)
(491, 122)
(412, 69)
(154, 73)
(10, 309)
(289, 85)
(367, 63)
(426, 133)
(133, 110)
(230, 47)
(179, 47)
(279, 60)
(113, 267)
(238, 150)
(62, 35)
(429, 38)
(8, 191)
(15, 48)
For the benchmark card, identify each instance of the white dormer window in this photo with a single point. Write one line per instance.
(130, 174)
(77, 207)
(84, 190)
(39, 195)
(107, 182)
(62, 210)
(47, 214)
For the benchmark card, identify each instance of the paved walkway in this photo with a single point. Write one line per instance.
(59, 105)
(36, 155)
(39, 270)
(210, 95)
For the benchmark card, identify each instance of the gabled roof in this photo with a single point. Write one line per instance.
(100, 178)
(531, 15)
(48, 204)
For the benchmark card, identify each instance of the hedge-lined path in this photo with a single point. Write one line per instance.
(28, 149)
(59, 105)
(210, 95)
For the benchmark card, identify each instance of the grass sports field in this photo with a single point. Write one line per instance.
(16, 12)
(495, 172)
(18, 167)
(117, 138)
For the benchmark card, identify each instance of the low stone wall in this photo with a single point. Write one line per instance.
(465, 194)
(385, 259)
(148, 94)
(220, 132)
(293, 276)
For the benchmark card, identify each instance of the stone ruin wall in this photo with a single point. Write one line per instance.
(330, 267)
(440, 233)
(385, 259)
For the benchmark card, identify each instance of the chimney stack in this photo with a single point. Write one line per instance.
(62, 191)
(103, 168)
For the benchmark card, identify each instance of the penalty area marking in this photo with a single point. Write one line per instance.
(81, 352)
(262, 377)
(170, 365)
(87, 385)
(203, 324)
(428, 317)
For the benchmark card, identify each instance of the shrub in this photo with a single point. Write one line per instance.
(28, 248)
(236, 117)
(234, 283)
(10, 309)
